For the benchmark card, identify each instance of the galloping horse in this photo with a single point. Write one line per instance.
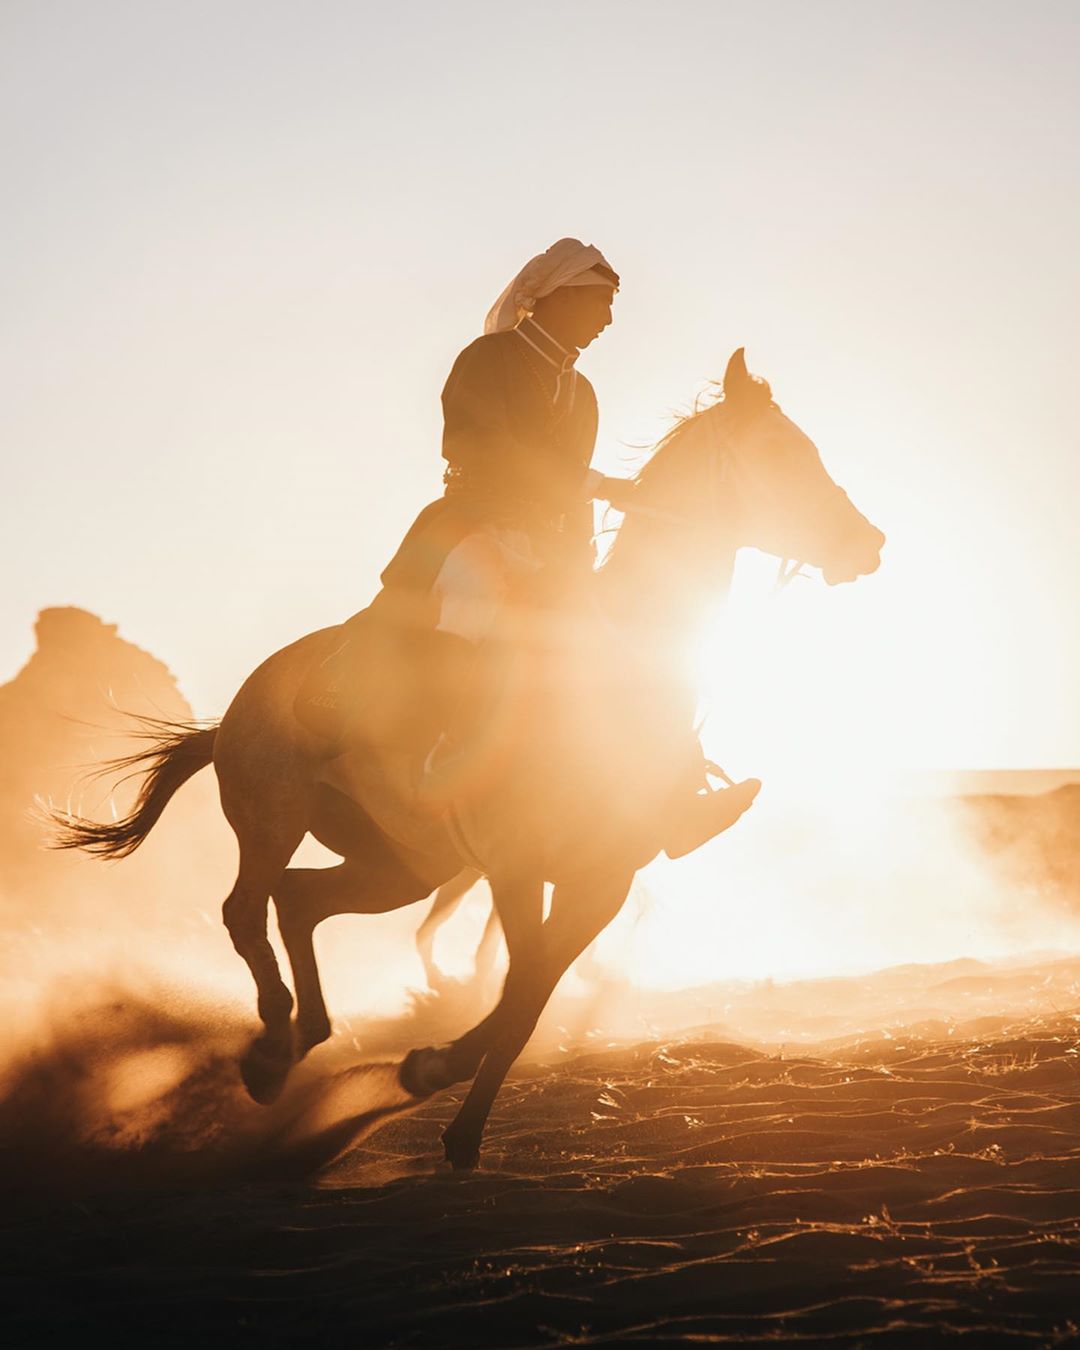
(601, 711)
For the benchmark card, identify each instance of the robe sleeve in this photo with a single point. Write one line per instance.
(476, 426)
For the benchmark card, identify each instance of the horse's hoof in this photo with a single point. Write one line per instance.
(462, 1154)
(419, 1073)
(309, 1035)
(264, 1072)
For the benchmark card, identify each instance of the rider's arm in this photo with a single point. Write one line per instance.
(592, 484)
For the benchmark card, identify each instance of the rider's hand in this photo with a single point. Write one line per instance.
(618, 491)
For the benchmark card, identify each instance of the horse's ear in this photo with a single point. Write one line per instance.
(736, 377)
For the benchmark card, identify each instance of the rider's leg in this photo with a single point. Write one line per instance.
(471, 591)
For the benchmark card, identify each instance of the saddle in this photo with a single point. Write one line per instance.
(390, 679)
(415, 722)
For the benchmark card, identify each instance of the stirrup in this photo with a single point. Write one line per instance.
(710, 814)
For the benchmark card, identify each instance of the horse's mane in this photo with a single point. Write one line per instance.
(688, 426)
(668, 461)
(684, 424)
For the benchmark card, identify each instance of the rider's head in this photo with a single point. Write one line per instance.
(568, 289)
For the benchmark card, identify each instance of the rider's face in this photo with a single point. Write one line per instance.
(576, 314)
(594, 311)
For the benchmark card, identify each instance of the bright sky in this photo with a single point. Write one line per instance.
(244, 240)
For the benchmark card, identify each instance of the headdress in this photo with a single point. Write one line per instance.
(568, 262)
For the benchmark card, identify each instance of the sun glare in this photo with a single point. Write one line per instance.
(839, 867)
(784, 688)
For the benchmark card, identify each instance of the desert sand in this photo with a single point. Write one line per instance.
(914, 1184)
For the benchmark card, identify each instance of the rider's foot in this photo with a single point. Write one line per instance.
(706, 815)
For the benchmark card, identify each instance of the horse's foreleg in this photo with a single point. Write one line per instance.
(578, 914)
(433, 1068)
(447, 898)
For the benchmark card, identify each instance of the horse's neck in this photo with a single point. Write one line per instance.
(657, 586)
(670, 602)
(654, 601)
(675, 551)
(673, 559)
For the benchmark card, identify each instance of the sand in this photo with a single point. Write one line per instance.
(916, 1184)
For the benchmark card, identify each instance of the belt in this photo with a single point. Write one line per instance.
(488, 499)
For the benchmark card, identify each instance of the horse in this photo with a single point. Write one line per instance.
(598, 714)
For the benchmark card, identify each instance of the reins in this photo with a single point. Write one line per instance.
(787, 571)
(787, 568)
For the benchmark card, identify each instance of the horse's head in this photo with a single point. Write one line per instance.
(734, 473)
(783, 500)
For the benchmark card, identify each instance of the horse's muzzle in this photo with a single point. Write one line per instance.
(861, 558)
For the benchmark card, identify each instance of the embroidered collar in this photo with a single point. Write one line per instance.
(540, 340)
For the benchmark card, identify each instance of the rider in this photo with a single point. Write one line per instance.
(519, 430)
(520, 427)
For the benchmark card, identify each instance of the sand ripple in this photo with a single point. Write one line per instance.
(909, 1191)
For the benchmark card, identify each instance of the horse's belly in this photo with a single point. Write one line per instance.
(563, 820)
(385, 783)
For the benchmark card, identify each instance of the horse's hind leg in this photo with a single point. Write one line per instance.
(295, 898)
(265, 1065)
(304, 896)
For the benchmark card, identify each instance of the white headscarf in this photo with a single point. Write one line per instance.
(568, 262)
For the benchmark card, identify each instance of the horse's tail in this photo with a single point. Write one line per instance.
(177, 750)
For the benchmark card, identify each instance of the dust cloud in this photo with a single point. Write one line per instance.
(125, 1006)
